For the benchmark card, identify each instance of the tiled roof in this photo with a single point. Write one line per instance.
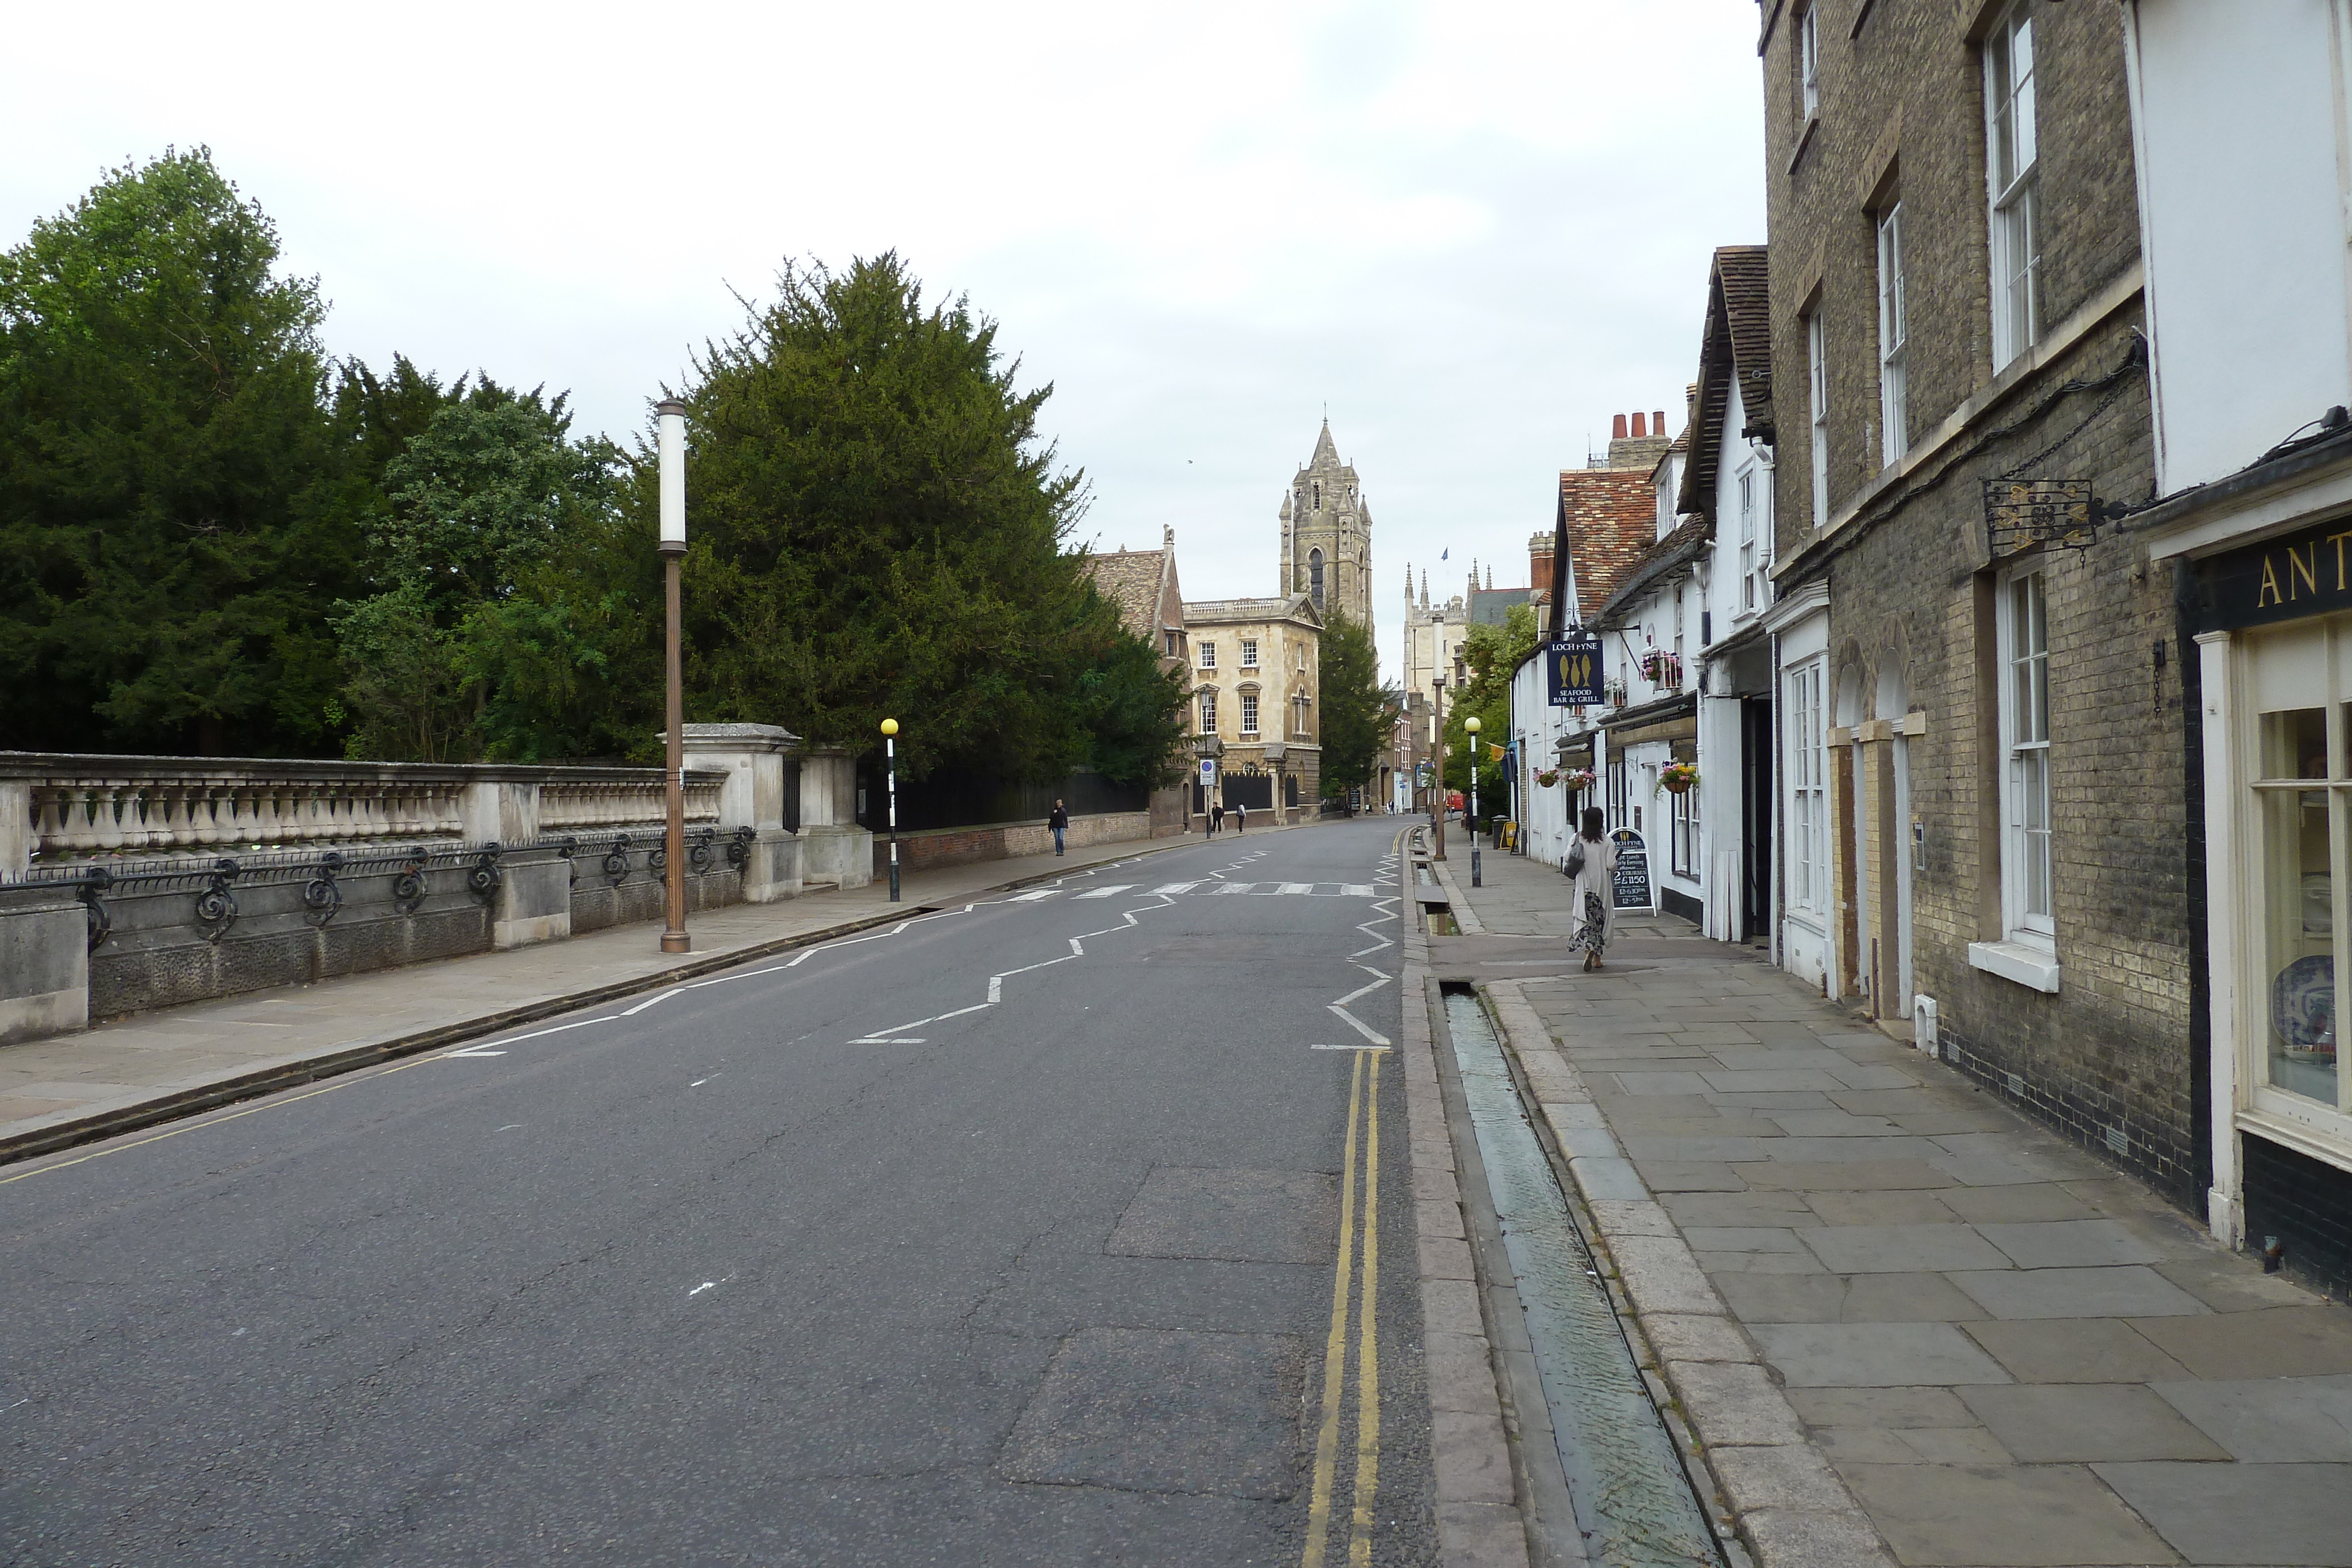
(1687, 542)
(1606, 519)
(1130, 579)
(1733, 344)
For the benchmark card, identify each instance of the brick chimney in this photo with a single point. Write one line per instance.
(1617, 430)
(1658, 422)
(1539, 560)
(1640, 424)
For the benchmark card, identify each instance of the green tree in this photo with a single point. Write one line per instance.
(1494, 655)
(879, 531)
(481, 639)
(170, 523)
(1359, 712)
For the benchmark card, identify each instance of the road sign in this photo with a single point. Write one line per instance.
(1208, 772)
(1572, 665)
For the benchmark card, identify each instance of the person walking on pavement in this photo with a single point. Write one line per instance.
(1060, 822)
(1216, 817)
(1591, 864)
(1241, 817)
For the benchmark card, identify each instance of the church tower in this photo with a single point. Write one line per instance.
(1327, 536)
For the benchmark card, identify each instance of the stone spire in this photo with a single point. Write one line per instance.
(1324, 450)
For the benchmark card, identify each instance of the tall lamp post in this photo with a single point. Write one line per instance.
(890, 761)
(1470, 724)
(672, 439)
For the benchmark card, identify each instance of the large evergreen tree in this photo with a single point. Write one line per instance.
(1359, 712)
(170, 523)
(877, 530)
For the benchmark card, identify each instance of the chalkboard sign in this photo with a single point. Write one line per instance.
(1630, 883)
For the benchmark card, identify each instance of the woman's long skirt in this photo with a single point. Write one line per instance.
(1594, 933)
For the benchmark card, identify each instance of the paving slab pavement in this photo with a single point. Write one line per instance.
(1996, 1349)
(151, 1067)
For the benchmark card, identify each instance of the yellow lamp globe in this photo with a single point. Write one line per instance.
(1471, 723)
(889, 727)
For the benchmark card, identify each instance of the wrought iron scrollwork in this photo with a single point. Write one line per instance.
(657, 858)
(563, 849)
(95, 881)
(408, 888)
(215, 904)
(697, 854)
(483, 880)
(322, 898)
(617, 861)
(739, 848)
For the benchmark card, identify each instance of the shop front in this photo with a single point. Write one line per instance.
(2272, 623)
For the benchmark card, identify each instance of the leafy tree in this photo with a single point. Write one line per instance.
(171, 525)
(477, 643)
(1131, 709)
(878, 531)
(1359, 712)
(1493, 653)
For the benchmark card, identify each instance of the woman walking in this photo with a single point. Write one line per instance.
(1591, 861)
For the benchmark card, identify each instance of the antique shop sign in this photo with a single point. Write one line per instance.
(2307, 573)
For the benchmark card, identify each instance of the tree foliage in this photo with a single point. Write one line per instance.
(1358, 712)
(1494, 655)
(169, 516)
(878, 531)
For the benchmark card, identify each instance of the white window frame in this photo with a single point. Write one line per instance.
(1808, 62)
(1751, 565)
(1249, 713)
(1208, 655)
(2027, 851)
(1683, 827)
(1249, 652)
(1894, 358)
(1808, 774)
(2012, 183)
(1817, 385)
(1209, 710)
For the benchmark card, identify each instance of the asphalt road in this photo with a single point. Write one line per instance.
(1009, 1236)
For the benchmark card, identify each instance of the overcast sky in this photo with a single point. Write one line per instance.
(1473, 230)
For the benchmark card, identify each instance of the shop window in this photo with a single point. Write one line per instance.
(2300, 827)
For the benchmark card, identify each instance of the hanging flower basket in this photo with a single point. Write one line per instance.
(1676, 778)
(1547, 777)
(1577, 779)
(1612, 691)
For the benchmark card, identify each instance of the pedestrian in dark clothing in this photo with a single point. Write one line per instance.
(1060, 822)
(1240, 819)
(1216, 817)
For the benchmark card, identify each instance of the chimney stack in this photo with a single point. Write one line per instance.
(1658, 422)
(1539, 548)
(1617, 430)
(1640, 423)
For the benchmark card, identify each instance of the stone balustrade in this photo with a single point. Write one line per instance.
(58, 809)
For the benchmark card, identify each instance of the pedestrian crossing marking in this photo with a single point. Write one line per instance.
(1115, 888)
(1032, 897)
(1294, 887)
(1176, 887)
(1217, 889)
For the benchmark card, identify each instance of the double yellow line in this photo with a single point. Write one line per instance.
(1364, 1111)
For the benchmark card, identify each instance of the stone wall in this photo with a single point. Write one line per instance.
(1002, 841)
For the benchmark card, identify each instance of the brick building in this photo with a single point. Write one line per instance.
(1981, 769)
(1150, 600)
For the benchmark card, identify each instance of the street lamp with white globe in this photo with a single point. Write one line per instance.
(1470, 724)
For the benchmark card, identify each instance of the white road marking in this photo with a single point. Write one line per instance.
(1076, 950)
(706, 1285)
(1294, 887)
(511, 1127)
(1355, 890)
(1368, 990)
(559, 1028)
(1112, 891)
(476, 1051)
(1346, 1048)
(1233, 887)
(1032, 897)
(651, 1002)
(1177, 887)
(878, 1039)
